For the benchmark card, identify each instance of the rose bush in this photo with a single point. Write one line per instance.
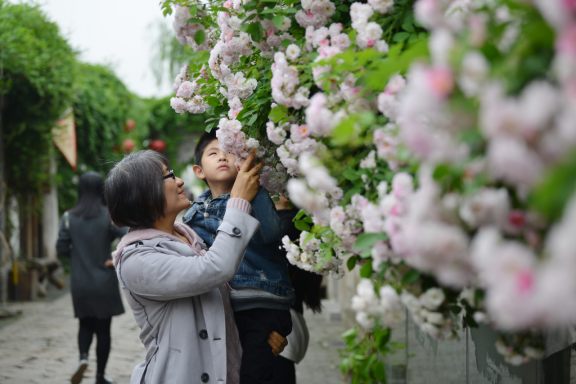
(430, 142)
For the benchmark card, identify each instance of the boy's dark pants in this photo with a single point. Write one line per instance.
(254, 326)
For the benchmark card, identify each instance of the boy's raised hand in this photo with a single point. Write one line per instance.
(246, 185)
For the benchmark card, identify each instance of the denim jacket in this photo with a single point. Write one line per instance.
(263, 267)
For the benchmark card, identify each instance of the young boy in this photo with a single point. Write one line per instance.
(262, 293)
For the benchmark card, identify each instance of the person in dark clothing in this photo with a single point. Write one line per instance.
(85, 236)
(307, 287)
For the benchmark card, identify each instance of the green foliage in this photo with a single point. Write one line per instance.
(102, 104)
(364, 352)
(36, 77)
(552, 194)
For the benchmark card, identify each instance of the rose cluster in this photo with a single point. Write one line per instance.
(369, 307)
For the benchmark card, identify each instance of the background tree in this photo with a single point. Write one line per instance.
(36, 76)
(102, 105)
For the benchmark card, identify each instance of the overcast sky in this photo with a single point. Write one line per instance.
(117, 32)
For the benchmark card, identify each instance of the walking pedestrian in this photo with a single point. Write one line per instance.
(85, 236)
(177, 287)
(307, 286)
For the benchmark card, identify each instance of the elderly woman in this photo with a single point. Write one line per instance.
(176, 288)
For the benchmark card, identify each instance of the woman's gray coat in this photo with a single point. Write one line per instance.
(174, 296)
(87, 242)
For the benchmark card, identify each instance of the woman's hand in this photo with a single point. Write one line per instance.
(108, 263)
(277, 342)
(246, 184)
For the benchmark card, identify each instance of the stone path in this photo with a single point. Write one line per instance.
(41, 347)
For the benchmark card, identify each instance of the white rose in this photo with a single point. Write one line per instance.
(292, 52)
(432, 298)
(435, 318)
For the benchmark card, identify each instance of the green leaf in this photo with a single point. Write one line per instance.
(200, 81)
(194, 20)
(344, 131)
(408, 27)
(379, 372)
(193, 9)
(199, 37)
(300, 214)
(301, 225)
(255, 30)
(351, 263)
(277, 113)
(367, 240)
(410, 276)
(221, 109)
(319, 265)
(351, 175)
(290, 10)
(270, 10)
(366, 270)
(554, 191)
(278, 20)
(219, 9)
(352, 332)
(286, 42)
(212, 101)
(343, 7)
(400, 36)
(252, 120)
(245, 24)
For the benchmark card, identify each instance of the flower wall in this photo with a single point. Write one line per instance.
(429, 143)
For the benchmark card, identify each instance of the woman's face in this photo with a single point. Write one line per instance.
(176, 200)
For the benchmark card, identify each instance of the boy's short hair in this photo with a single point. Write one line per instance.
(205, 139)
(134, 189)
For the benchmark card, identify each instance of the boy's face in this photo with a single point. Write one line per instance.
(217, 166)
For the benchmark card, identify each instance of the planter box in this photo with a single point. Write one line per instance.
(27, 288)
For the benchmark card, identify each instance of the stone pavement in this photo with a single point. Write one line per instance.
(321, 365)
(41, 346)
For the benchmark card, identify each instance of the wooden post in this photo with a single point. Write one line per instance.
(4, 264)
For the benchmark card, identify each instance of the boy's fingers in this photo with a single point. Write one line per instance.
(256, 169)
(246, 166)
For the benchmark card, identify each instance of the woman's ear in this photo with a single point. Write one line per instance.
(198, 172)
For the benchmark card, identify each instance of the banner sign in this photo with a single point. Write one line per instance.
(64, 136)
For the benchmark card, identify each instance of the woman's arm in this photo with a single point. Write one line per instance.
(64, 241)
(160, 276)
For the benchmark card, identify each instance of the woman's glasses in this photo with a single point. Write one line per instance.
(171, 174)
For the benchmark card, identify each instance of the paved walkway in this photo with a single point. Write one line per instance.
(41, 347)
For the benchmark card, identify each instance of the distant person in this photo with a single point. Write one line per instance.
(85, 236)
(307, 286)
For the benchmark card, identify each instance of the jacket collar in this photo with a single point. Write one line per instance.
(206, 195)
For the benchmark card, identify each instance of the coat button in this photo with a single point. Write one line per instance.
(203, 334)
(206, 214)
(236, 231)
(204, 377)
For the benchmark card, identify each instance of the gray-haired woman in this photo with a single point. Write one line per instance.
(177, 289)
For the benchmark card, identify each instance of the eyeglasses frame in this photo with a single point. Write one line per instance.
(171, 174)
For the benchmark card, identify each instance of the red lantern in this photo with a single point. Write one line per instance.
(128, 145)
(129, 125)
(158, 145)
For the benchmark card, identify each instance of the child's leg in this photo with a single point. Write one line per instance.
(254, 326)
